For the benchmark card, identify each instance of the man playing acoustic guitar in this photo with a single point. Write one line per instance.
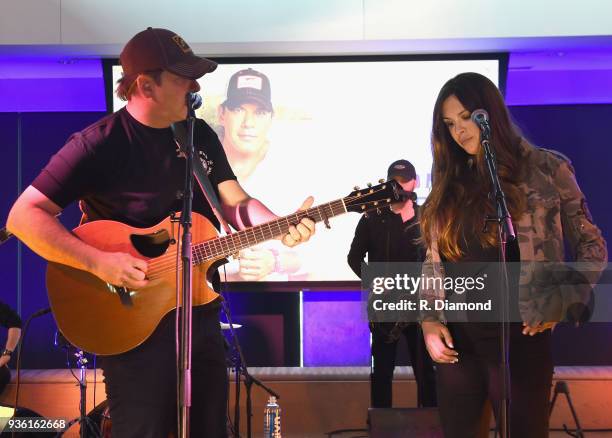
(125, 168)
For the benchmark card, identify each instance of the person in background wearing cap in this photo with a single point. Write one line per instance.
(394, 236)
(9, 319)
(245, 119)
(126, 168)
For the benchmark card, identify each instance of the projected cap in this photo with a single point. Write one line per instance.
(249, 86)
(162, 49)
(402, 168)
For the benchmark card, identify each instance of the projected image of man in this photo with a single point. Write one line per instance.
(246, 117)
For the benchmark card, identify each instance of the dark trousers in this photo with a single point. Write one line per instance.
(464, 387)
(141, 384)
(383, 354)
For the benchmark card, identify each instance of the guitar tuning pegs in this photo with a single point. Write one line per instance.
(369, 184)
(380, 181)
(356, 188)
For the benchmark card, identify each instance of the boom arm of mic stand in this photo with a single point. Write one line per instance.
(249, 379)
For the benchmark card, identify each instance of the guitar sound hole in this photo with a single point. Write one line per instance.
(151, 245)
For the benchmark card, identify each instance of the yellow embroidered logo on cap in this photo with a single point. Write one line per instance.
(181, 43)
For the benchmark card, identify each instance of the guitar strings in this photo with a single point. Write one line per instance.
(165, 263)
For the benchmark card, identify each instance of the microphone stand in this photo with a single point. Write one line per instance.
(186, 286)
(87, 427)
(505, 234)
(40, 312)
(241, 369)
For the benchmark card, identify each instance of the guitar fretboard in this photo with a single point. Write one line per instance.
(235, 242)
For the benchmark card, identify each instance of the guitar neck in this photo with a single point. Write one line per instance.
(235, 242)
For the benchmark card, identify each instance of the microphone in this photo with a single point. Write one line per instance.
(481, 118)
(194, 101)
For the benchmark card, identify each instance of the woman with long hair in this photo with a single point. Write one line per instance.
(546, 206)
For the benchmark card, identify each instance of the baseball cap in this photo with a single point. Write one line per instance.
(403, 169)
(162, 49)
(249, 86)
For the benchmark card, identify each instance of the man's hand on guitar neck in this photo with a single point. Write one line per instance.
(121, 269)
(243, 211)
(304, 230)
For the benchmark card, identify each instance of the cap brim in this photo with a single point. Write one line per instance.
(193, 67)
(235, 102)
(404, 175)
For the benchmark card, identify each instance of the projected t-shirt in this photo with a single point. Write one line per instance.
(123, 170)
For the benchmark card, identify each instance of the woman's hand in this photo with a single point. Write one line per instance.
(537, 327)
(439, 342)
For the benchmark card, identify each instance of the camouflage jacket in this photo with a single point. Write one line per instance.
(556, 211)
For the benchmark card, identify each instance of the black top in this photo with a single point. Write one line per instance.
(476, 259)
(8, 317)
(123, 170)
(385, 238)
(477, 262)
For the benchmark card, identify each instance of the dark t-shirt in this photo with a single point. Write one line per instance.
(125, 171)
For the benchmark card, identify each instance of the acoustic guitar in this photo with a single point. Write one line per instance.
(105, 319)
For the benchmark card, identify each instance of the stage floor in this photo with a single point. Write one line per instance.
(319, 400)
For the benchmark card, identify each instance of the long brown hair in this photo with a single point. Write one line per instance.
(458, 201)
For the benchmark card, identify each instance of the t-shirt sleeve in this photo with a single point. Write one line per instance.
(222, 171)
(69, 173)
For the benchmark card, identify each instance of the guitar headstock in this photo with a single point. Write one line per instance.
(374, 197)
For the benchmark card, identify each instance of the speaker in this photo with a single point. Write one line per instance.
(404, 422)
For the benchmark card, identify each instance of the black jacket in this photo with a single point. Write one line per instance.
(385, 238)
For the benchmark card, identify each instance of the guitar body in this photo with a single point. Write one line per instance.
(99, 318)
(104, 319)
